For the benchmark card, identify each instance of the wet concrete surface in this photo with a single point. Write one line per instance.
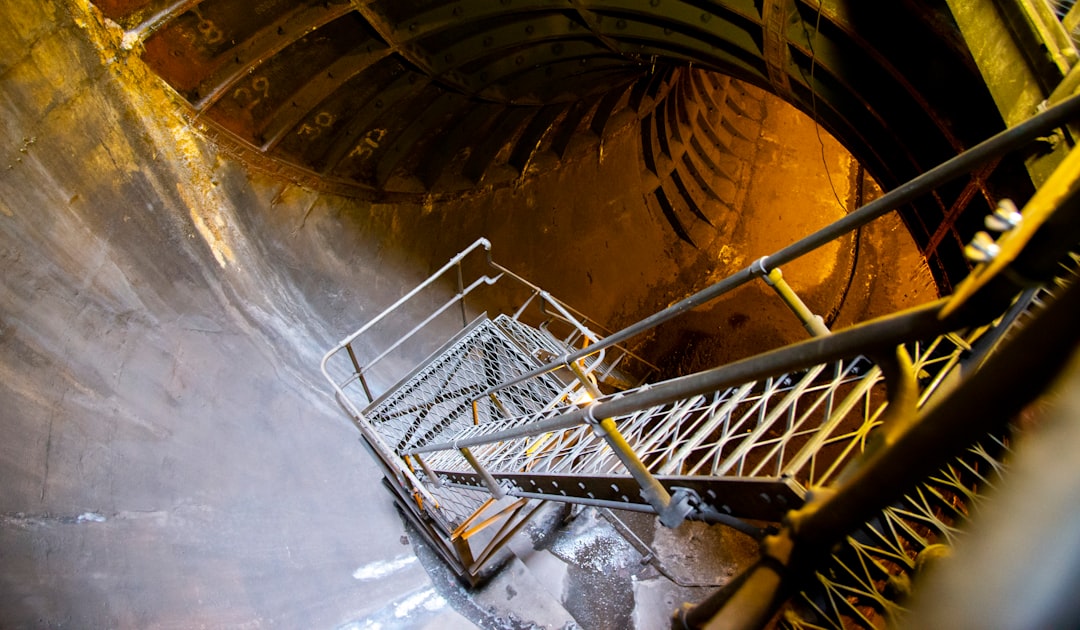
(169, 455)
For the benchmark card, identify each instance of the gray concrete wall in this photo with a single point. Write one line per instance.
(168, 454)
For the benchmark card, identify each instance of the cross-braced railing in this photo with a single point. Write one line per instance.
(799, 428)
(510, 410)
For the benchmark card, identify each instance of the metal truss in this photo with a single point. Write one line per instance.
(871, 572)
(796, 429)
(508, 413)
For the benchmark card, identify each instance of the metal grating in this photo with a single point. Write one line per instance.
(804, 426)
(533, 340)
(436, 401)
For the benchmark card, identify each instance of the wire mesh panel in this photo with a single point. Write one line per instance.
(804, 426)
(533, 340)
(437, 400)
(457, 503)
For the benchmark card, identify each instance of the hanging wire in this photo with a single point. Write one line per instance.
(813, 99)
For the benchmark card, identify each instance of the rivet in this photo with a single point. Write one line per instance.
(529, 29)
(621, 24)
(488, 40)
(519, 60)
(705, 17)
(557, 49)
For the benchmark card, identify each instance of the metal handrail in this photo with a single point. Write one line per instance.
(994, 147)
(882, 333)
(877, 336)
(347, 342)
(562, 311)
(463, 291)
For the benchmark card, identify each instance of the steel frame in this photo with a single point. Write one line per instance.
(772, 417)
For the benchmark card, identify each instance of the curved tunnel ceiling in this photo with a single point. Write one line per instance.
(396, 100)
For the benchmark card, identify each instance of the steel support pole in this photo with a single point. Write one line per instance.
(461, 296)
(651, 490)
(435, 481)
(813, 324)
(489, 481)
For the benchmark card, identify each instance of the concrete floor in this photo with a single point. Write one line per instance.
(169, 455)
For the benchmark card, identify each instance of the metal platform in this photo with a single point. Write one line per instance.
(819, 445)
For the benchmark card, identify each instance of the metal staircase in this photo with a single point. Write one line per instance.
(802, 447)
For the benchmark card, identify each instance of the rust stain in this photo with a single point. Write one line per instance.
(177, 141)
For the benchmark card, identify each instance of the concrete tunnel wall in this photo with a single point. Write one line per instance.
(169, 455)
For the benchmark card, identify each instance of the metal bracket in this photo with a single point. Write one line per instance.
(684, 502)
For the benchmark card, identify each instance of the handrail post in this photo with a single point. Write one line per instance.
(489, 481)
(461, 295)
(813, 324)
(359, 372)
(435, 481)
(525, 304)
(671, 513)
